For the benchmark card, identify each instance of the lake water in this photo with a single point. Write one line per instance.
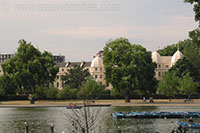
(39, 120)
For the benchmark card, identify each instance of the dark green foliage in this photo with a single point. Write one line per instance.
(30, 68)
(171, 49)
(75, 77)
(192, 51)
(91, 89)
(181, 67)
(40, 92)
(191, 61)
(187, 85)
(7, 85)
(52, 93)
(169, 84)
(184, 66)
(67, 93)
(44, 92)
(128, 67)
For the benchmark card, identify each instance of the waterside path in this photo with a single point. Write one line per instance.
(49, 103)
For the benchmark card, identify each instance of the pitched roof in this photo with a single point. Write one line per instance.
(71, 64)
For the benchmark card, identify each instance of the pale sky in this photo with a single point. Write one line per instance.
(78, 29)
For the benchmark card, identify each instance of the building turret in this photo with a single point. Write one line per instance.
(178, 55)
(155, 57)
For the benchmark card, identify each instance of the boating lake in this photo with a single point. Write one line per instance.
(39, 119)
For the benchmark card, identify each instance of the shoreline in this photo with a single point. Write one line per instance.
(111, 103)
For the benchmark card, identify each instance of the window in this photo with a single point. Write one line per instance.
(101, 76)
(101, 69)
(159, 73)
(167, 66)
(63, 70)
(57, 84)
(96, 76)
(57, 77)
(159, 65)
(107, 84)
(96, 69)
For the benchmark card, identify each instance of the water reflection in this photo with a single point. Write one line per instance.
(39, 120)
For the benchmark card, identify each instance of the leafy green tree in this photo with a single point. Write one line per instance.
(67, 93)
(184, 66)
(44, 92)
(7, 85)
(40, 92)
(30, 68)
(196, 8)
(91, 89)
(192, 51)
(128, 67)
(64, 93)
(187, 85)
(171, 49)
(169, 84)
(75, 77)
(52, 93)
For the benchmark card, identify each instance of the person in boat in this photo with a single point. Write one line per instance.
(190, 120)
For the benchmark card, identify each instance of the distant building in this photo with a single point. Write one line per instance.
(164, 63)
(64, 67)
(58, 59)
(96, 69)
(4, 57)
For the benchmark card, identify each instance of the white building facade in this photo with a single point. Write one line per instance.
(164, 63)
(95, 68)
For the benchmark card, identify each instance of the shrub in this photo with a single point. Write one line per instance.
(52, 93)
(67, 93)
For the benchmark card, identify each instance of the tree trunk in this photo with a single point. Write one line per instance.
(127, 98)
(170, 99)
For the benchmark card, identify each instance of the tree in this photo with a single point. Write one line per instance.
(192, 51)
(30, 68)
(75, 77)
(169, 84)
(127, 67)
(7, 85)
(187, 85)
(67, 93)
(91, 89)
(171, 49)
(44, 92)
(52, 93)
(196, 8)
(184, 66)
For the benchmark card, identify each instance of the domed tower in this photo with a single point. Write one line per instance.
(155, 57)
(178, 55)
(97, 69)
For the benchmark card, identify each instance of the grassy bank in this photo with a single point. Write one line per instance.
(114, 102)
